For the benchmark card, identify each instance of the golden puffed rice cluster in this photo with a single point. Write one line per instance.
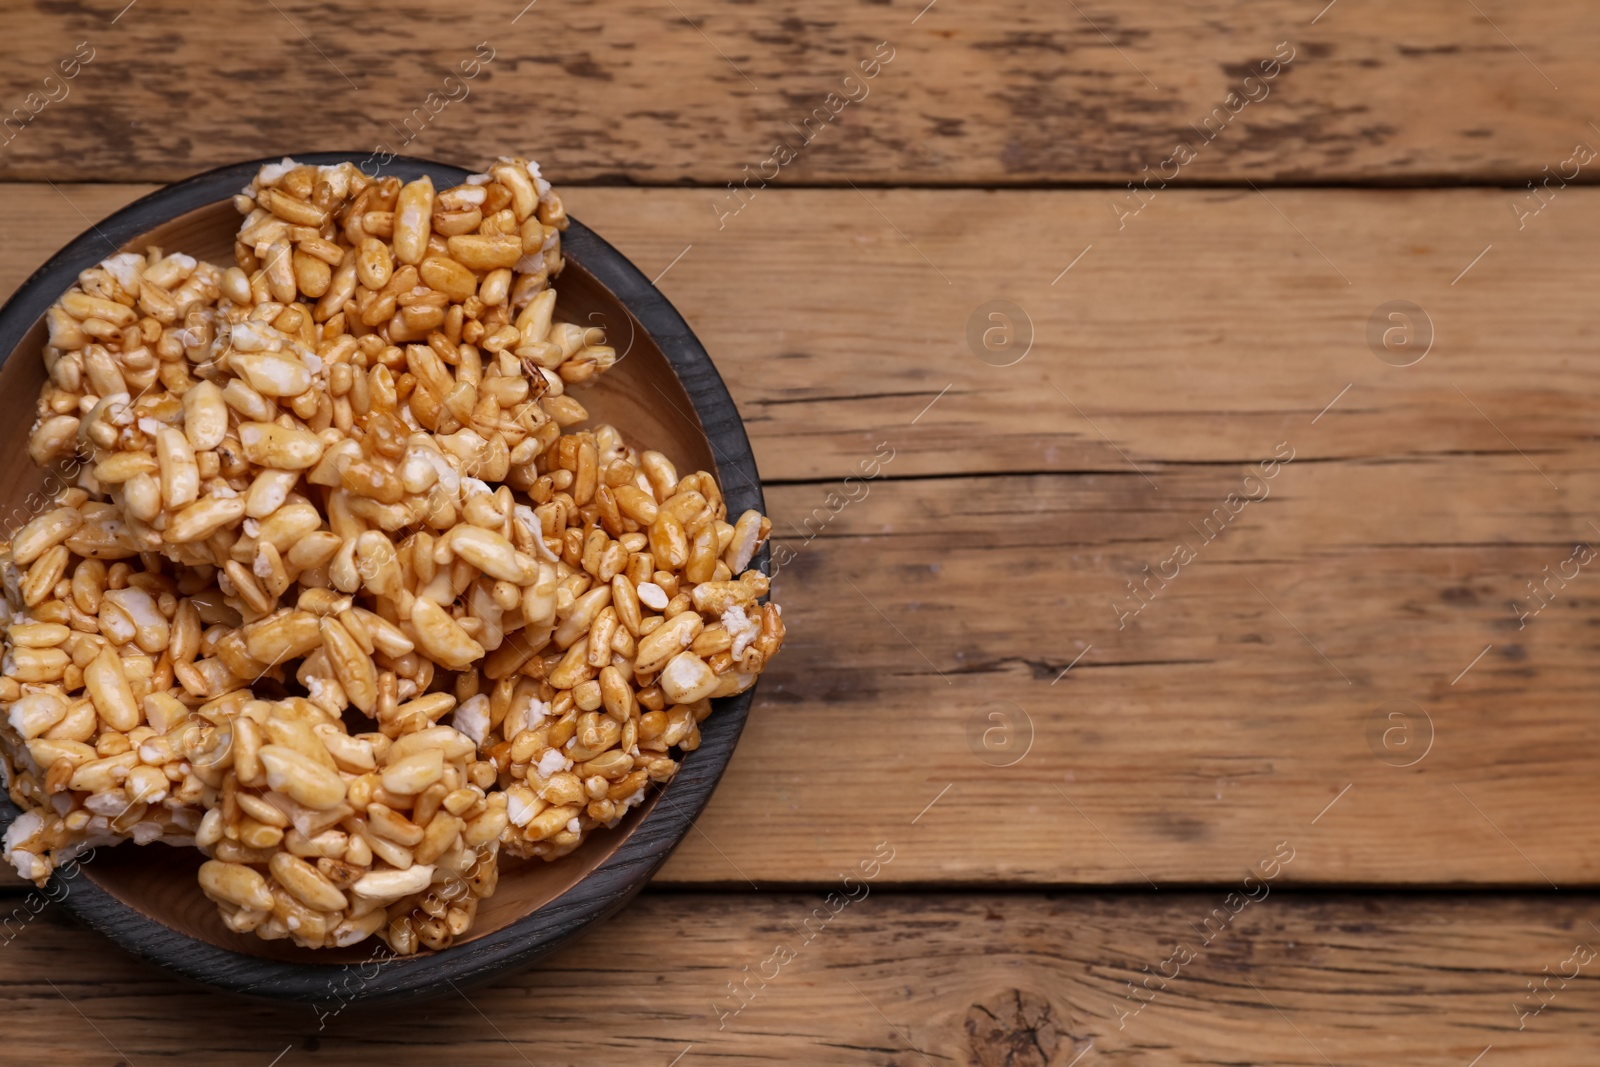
(315, 503)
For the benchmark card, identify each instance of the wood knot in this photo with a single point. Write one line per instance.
(1015, 1028)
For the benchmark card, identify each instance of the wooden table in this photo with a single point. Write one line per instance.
(1192, 624)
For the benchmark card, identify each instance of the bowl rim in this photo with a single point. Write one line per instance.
(615, 879)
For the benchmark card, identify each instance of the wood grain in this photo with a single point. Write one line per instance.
(899, 981)
(971, 684)
(980, 94)
(1205, 331)
(1177, 748)
(1212, 326)
(1394, 544)
(1240, 701)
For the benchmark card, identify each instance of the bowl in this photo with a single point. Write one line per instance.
(664, 393)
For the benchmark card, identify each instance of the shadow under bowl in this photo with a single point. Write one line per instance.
(664, 393)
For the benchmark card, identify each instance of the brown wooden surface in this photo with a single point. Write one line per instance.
(896, 981)
(1172, 350)
(997, 93)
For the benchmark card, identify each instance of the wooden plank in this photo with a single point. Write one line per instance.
(1212, 326)
(901, 980)
(1208, 722)
(995, 93)
(1395, 543)
(1174, 746)
(1206, 331)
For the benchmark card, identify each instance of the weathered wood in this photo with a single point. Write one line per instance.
(996, 93)
(1206, 331)
(901, 981)
(1209, 722)
(1397, 541)
(971, 681)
